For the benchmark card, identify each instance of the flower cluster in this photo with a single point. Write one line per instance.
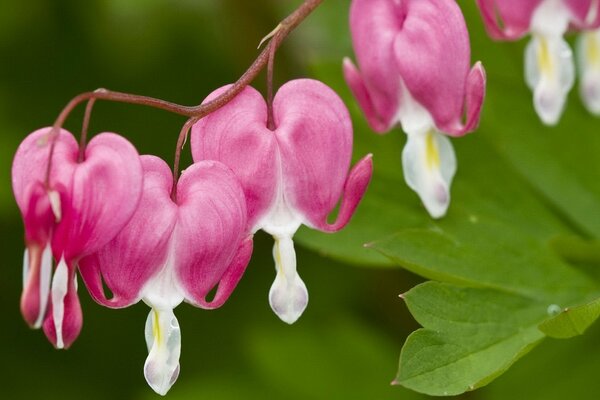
(414, 60)
(120, 221)
(549, 65)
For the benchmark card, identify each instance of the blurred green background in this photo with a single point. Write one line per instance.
(346, 345)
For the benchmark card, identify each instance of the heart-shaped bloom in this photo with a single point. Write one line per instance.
(171, 251)
(414, 60)
(292, 175)
(549, 66)
(81, 208)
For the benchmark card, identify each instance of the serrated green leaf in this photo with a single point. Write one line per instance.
(470, 336)
(572, 321)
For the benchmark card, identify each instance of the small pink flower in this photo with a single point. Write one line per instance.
(83, 207)
(292, 175)
(171, 251)
(414, 60)
(549, 66)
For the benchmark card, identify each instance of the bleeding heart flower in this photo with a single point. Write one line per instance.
(171, 251)
(83, 206)
(549, 66)
(414, 60)
(292, 175)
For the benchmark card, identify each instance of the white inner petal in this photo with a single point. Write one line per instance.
(288, 296)
(551, 18)
(59, 291)
(429, 165)
(25, 267)
(428, 159)
(163, 337)
(588, 54)
(550, 73)
(45, 282)
(54, 199)
(162, 290)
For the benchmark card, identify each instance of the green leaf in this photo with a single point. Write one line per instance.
(572, 321)
(470, 336)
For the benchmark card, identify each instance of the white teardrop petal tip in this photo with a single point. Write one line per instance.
(163, 337)
(288, 300)
(429, 165)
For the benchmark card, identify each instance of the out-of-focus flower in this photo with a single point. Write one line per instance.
(414, 61)
(174, 250)
(549, 66)
(292, 175)
(79, 209)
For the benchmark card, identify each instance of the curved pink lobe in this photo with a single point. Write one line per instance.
(314, 132)
(585, 13)
(211, 223)
(354, 190)
(236, 135)
(231, 277)
(105, 192)
(140, 250)
(31, 161)
(374, 25)
(475, 95)
(433, 57)
(363, 97)
(30, 297)
(507, 19)
(73, 317)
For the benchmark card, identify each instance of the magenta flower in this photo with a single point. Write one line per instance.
(83, 206)
(171, 251)
(414, 60)
(549, 66)
(292, 175)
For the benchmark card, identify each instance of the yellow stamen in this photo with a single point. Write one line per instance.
(592, 50)
(432, 154)
(544, 58)
(155, 326)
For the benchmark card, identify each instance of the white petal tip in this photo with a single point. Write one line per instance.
(288, 301)
(160, 382)
(549, 107)
(163, 338)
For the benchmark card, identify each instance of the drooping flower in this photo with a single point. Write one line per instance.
(171, 251)
(414, 60)
(81, 207)
(292, 175)
(588, 52)
(549, 66)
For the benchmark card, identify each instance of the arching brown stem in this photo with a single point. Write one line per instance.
(199, 111)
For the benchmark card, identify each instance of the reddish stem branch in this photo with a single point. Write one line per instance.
(84, 129)
(199, 111)
(270, 69)
(185, 130)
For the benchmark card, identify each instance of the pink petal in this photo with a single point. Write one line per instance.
(507, 19)
(363, 97)
(374, 25)
(475, 96)
(236, 135)
(231, 277)
(31, 161)
(211, 224)
(433, 57)
(354, 189)
(105, 192)
(140, 250)
(316, 147)
(586, 13)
